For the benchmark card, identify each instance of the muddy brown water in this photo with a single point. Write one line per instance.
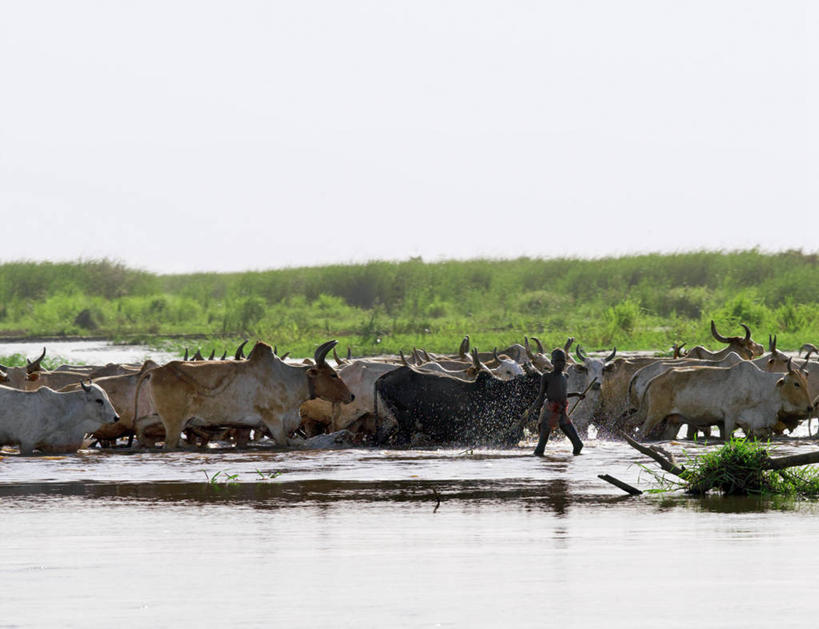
(392, 538)
(353, 538)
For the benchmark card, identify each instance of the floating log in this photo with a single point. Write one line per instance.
(620, 484)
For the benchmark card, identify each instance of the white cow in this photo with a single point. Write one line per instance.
(50, 421)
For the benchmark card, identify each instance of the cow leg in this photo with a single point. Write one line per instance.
(173, 431)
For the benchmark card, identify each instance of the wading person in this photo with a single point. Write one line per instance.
(553, 413)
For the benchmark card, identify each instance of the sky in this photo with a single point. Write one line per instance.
(178, 136)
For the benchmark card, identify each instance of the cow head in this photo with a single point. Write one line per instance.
(744, 346)
(98, 407)
(793, 392)
(592, 368)
(506, 367)
(322, 379)
(776, 361)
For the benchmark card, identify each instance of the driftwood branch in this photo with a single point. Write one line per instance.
(782, 462)
(667, 464)
(618, 483)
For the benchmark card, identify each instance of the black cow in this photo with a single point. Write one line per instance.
(487, 411)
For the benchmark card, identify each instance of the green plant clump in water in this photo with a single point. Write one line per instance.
(740, 468)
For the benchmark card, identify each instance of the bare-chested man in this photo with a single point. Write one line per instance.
(553, 414)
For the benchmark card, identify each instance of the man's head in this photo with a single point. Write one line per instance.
(558, 359)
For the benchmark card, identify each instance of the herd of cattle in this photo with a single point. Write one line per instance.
(467, 397)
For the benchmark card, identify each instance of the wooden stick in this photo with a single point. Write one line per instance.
(618, 483)
(580, 398)
(666, 464)
(782, 462)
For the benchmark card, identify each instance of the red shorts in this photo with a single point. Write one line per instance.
(553, 411)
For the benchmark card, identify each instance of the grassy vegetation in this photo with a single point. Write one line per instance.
(635, 302)
(738, 469)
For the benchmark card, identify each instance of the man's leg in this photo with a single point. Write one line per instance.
(571, 432)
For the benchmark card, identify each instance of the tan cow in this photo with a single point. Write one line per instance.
(121, 391)
(745, 346)
(738, 396)
(260, 390)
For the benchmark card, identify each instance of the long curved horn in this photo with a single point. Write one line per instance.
(339, 362)
(611, 356)
(526, 346)
(539, 345)
(495, 354)
(34, 365)
(240, 351)
(808, 347)
(427, 357)
(807, 355)
(85, 387)
(568, 344)
(790, 367)
(747, 331)
(321, 351)
(717, 335)
(579, 351)
(773, 345)
(463, 350)
(403, 358)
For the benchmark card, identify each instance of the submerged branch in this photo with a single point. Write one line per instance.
(667, 464)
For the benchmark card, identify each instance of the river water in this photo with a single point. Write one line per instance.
(409, 538)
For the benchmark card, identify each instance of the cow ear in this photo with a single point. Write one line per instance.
(780, 382)
(608, 367)
(33, 376)
(312, 372)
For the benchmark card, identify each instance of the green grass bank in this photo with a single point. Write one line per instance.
(634, 302)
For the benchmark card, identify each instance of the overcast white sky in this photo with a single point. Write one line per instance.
(191, 135)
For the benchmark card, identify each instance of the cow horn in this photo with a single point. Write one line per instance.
(185, 357)
(539, 344)
(526, 345)
(321, 351)
(476, 360)
(747, 331)
(284, 356)
(807, 355)
(717, 335)
(495, 354)
(790, 367)
(34, 365)
(773, 345)
(403, 358)
(224, 356)
(463, 350)
(611, 356)
(427, 357)
(808, 347)
(275, 350)
(568, 344)
(579, 351)
(349, 353)
(339, 362)
(240, 351)
(212, 354)
(198, 355)
(85, 387)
